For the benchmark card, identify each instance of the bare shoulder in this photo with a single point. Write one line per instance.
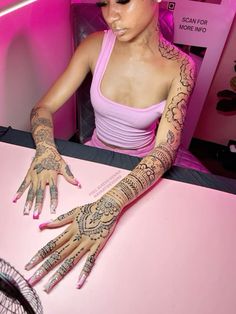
(180, 62)
(91, 46)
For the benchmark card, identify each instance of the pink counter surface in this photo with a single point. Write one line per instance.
(173, 251)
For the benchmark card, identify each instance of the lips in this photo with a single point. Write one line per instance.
(119, 31)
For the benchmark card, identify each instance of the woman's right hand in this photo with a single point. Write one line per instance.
(45, 167)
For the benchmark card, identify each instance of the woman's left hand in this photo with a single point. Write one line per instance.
(90, 227)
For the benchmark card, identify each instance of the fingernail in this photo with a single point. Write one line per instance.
(36, 277)
(51, 283)
(15, 198)
(36, 216)
(44, 224)
(81, 281)
(36, 213)
(27, 209)
(36, 259)
(78, 183)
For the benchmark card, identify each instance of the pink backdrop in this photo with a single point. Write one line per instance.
(35, 47)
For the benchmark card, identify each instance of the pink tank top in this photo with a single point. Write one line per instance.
(116, 124)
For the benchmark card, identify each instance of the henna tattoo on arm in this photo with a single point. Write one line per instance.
(42, 127)
(45, 136)
(153, 166)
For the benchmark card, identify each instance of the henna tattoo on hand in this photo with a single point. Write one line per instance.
(96, 220)
(48, 163)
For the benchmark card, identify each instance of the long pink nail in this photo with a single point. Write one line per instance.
(27, 209)
(52, 282)
(81, 281)
(37, 276)
(15, 198)
(36, 216)
(34, 260)
(44, 224)
(78, 183)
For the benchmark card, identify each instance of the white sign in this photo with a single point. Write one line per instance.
(204, 25)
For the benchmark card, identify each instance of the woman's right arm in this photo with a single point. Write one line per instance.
(48, 163)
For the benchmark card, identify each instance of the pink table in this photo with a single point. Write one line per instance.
(173, 252)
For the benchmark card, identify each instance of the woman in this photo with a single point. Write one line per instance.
(137, 74)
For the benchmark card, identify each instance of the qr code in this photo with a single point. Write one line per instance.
(171, 5)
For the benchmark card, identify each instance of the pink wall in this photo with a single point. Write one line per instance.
(214, 126)
(35, 47)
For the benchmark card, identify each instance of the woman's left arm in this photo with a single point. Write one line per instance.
(168, 138)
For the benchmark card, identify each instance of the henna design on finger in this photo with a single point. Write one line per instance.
(77, 238)
(39, 195)
(63, 270)
(53, 191)
(50, 246)
(22, 187)
(51, 261)
(90, 261)
(68, 171)
(70, 213)
(30, 196)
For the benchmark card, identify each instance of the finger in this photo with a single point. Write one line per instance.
(60, 221)
(89, 264)
(29, 200)
(53, 195)
(66, 266)
(39, 195)
(66, 172)
(24, 185)
(54, 259)
(49, 248)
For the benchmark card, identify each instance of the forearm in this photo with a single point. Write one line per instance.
(145, 174)
(42, 127)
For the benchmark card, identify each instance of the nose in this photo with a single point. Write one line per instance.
(112, 14)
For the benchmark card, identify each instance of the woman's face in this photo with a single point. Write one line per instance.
(128, 18)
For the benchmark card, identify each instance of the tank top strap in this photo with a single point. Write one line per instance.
(104, 56)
